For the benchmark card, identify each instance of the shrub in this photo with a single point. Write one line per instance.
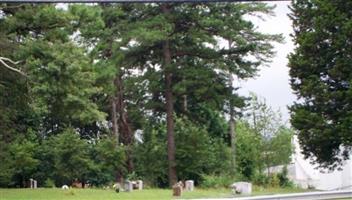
(260, 179)
(49, 183)
(196, 153)
(216, 181)
(274, 181)
(284, 180)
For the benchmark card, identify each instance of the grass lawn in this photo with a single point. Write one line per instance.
(100, 194)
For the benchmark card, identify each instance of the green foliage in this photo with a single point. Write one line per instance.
(151, 158)
(321, 77)
(70, 157)
(274, 180)
(260, 179)
(108, 158)
(63, 84)
(214, 122)
(284, 180)
(196, 153)
(274, 136)
(23, 161)
(6, 170)
(55, 121)
(248, 153)
(216, 181)
(49, 183)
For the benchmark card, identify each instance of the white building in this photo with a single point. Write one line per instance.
(305, 174)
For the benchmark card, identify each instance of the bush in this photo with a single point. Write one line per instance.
(216, 181)
(247, 153)
(284, 180)
(260, 179)
(132, 176)
(274, 181)
(196, 153)
(49, 183)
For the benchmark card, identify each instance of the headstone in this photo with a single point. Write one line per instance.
(177, 189)
(242, 188)
(117, 187)
(128, 186)
(64, 187)
(140, 184)
(134, 185)
(31, 183)
(189, 185)
(77, 184)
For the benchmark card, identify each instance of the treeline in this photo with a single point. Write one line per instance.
(98, 93)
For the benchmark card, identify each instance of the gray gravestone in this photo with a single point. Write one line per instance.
(30, 183)
(242, 188)
(128, 186)
(140, 184)
(189, 185)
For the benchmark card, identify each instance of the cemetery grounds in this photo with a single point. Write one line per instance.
(109, 194)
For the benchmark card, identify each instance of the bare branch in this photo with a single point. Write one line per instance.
(2, 61)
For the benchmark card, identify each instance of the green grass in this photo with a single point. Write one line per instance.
(100, 194)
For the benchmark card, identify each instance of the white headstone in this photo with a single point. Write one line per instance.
(34, 184)
(128, 186)
(242, 188)
(31, 184)
(189, 185)
(140, 184)
(64, 187)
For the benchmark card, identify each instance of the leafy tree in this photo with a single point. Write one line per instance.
(63, 82)
(196, 153)
(70, 157)
(160, 68)
(321, 77)
(275, 138)
(248, 152)
(15, 114)
(150, 162)
(107, 161)
(23, 162)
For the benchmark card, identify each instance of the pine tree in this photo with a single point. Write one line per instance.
(321, 77)
(181, 37)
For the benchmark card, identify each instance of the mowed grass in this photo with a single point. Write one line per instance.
(100, 194)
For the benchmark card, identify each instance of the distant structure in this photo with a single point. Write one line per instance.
(306, 175)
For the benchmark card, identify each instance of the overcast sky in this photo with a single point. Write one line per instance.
(273, 82)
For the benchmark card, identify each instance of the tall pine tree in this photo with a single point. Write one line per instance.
(321, 76)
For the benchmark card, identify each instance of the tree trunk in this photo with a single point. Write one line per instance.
(115, 128)
(232, 124)
(124, 127)
(232, 138)
(184, 103)
(171, 148)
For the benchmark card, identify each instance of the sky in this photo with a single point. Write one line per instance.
(272, 82)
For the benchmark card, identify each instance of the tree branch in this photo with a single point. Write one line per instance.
(2, 61)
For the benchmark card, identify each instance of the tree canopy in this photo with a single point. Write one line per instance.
(116, 91)
(321, 77)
